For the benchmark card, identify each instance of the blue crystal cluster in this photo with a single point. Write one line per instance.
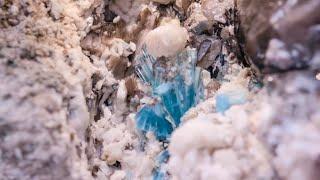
(175, 95)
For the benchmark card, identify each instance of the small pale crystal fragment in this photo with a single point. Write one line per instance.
(116, 19)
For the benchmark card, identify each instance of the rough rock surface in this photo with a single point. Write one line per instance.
(45, 78)
(69, 95)
(215, 9)
(295, 24)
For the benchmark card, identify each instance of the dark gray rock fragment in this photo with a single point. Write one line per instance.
(293, 23)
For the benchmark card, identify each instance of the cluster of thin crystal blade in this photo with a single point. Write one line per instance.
(145, 67)
(176, 95)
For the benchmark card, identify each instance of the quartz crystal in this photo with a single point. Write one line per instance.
(175, 94)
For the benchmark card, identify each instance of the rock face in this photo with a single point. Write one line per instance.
(69, 96)
(287, 131)
(43, 122)
(292, 23)
(44, 79)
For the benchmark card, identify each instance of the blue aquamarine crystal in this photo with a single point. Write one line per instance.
(159, 173)
(222, 103)
(152, 118)
(162, 157)
(176, 94)
(225, 100)
(169, 98)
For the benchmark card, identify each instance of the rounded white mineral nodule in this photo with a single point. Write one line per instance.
(167, 39)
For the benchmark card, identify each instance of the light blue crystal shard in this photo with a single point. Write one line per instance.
(198, 86)
(159, 173)
(225, 101)
(186, 65)
(222, 103)
(162, 157)
(169, 99)
(152, 118)
(184, 94)
(159, 74)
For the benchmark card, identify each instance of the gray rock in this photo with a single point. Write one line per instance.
(292, 23)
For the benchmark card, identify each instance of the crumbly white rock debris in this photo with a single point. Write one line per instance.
(215, 9)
